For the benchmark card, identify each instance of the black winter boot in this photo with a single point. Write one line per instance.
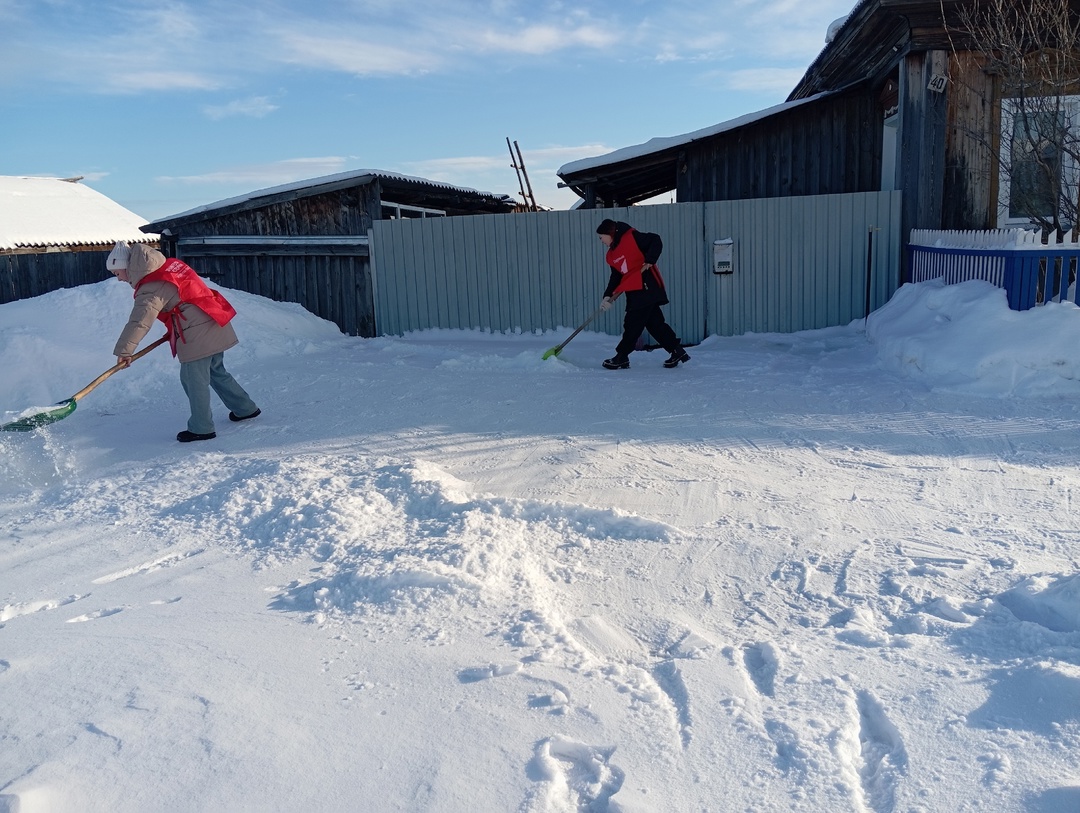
(679, 356)
(187, 437)
(617, 362)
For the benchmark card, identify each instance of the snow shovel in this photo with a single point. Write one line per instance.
(62, 409)
(554, 351)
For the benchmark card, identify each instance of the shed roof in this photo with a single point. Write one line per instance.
(644, 170)
(44, 212)
(404, 189)
(877, 33)
(860, 46)
(873, 36)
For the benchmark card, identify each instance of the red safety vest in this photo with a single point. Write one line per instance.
(627, 259)
(193, 291)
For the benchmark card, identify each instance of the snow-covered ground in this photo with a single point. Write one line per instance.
(830, 571)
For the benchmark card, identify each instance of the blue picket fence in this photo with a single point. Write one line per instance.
(1031, 272)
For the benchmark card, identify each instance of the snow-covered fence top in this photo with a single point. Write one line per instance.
(1031, 272)
(986, 238)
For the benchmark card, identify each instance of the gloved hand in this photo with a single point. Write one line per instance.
(606, 303)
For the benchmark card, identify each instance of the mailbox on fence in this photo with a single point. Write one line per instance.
(722, 253)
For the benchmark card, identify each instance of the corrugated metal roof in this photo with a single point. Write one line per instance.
(671, 143)
(325, 180)
(42, 212)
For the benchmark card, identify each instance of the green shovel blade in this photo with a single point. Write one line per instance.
(31, 422)
(554, 351)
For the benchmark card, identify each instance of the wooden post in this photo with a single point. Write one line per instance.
(532, 198)
(517, 169)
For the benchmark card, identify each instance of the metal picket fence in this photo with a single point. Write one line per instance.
(1031, 272)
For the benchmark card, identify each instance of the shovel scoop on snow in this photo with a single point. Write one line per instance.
(554, 351)
(34, 418)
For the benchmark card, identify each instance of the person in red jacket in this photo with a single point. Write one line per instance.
(198, 322)
(632, 256)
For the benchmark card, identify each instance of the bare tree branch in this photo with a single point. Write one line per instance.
(1032, 47)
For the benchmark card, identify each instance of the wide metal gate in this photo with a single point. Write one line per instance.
(797, 263)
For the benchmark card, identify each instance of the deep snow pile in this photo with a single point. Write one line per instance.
(827, 571)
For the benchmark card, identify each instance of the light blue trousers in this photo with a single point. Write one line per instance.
(197, 377)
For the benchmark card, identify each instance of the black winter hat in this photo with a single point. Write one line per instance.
(607, 227)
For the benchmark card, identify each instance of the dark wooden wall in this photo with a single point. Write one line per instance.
(829, 147)
(923, 125)
(333, 281)
(342, 212)
(336, 287)
(25, 275)
(972, 143)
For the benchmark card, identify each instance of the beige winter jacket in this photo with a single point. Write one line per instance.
(202, 335)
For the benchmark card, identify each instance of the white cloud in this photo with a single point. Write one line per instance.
(442, 169)
(255, 107)
(495, 173)
(88, 49)
(806, 23)
(764, 80)
(696, 46)
(136, 45)
(361, 56)
(562, 154)
(257, 176)
(172, 22)
(544, 39)
(426, 43)
(136, 81)
(460, 168)
(91, 177)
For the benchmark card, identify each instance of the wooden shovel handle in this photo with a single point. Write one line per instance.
(113, 369)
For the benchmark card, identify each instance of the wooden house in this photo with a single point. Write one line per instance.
(56, 233)
(898, 99)
(308, 242)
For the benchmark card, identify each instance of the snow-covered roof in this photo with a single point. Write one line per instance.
(662, 144)
(325, 180)
(41, 212)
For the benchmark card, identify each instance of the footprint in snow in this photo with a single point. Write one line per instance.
(97, 732)
(478, 673)
(691, 646)
(554, 701)
(574, 776)
(882, 756)
(148, 567)
(997, 767)
(95, 615)
(669, 678)
(10, 611)
(791, 756)
(607, 641)
(762, 662)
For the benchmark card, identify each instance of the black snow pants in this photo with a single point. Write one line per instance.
(649, 318)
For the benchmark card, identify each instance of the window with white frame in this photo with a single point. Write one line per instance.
(1039, 170)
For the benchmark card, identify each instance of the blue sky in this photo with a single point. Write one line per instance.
(165, 106)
